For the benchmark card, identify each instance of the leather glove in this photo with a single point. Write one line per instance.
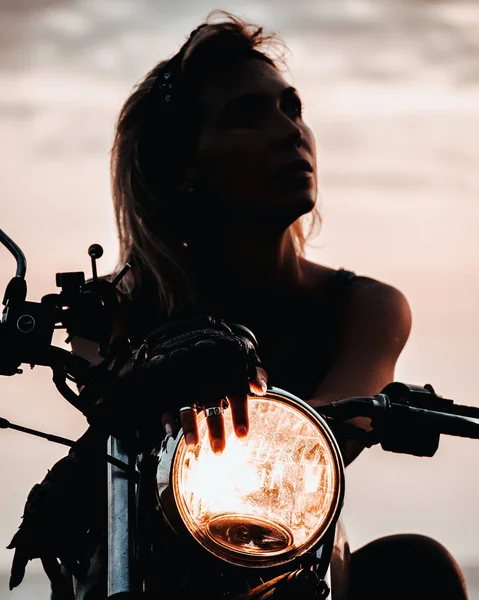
(201, 360)
(203, 363)
(184, 367)
(63, 518)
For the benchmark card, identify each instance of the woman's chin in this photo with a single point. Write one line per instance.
(301, 204)
(286, 215)
(299, 198)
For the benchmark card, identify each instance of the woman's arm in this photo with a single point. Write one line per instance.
(375, 326)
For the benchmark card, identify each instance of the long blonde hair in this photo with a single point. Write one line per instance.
(154, 133)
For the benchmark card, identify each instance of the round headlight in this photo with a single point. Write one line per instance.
(269, 497)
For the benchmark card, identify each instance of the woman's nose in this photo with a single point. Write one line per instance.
(296, 138)
(289, 133)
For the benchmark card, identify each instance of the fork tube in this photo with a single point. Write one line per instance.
(121, 526)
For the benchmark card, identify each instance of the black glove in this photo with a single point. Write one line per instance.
(63, 518)
(199, 360)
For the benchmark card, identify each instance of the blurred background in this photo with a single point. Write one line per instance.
(391, 90)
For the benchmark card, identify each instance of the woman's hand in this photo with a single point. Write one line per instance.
(237, 403)
(203, 364)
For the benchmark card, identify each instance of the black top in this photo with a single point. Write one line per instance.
(308, 346)
(297, 345)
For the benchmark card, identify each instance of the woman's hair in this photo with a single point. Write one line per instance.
(155, 135)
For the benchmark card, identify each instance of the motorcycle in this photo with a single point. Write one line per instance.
(268, 525)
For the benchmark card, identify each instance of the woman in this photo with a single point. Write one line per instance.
(214, 171)
(213, 168)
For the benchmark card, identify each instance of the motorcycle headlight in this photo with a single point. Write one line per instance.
(269, 497)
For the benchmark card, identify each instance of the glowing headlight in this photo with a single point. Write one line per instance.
(267, 498)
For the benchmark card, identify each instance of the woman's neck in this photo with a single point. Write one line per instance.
(235, 271)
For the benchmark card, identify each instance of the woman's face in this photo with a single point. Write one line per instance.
(252, 133)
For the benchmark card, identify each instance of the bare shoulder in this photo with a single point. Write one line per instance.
(383, 305)
(368, 306)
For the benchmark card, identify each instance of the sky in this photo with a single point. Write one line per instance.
(391, 91)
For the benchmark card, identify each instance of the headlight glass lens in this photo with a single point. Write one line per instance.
(267, 498)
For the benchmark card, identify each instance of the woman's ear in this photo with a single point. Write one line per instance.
(187, 181)
(183, 187)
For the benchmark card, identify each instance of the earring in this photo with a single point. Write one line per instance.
(190, 193)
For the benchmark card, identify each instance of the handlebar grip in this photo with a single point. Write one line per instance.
(448, 424)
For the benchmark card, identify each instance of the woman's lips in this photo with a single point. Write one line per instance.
(298, 168)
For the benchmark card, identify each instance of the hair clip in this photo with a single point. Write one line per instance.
(165, 89)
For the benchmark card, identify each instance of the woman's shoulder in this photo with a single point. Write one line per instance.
(317, 276)
(360, 297)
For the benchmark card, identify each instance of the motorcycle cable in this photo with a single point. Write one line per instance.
(5, 424)
(26, 331)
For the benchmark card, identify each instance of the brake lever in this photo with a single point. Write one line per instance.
(86, 309)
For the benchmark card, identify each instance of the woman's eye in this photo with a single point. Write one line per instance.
(294, 107)
(251, 113)
(243, 115)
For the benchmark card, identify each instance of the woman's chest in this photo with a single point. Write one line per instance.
(297, 353)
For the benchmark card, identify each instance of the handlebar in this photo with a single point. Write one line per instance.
(87, 309)
(404, 418)
(17, 253)
(459, 420)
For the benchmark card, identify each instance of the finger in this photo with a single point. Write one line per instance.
(189, 425)
(216, 428)
(259, 383)
(169, 424)
(17, 573)
(84, 563)
(239, 414)
(59, 582)
(73, 566)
